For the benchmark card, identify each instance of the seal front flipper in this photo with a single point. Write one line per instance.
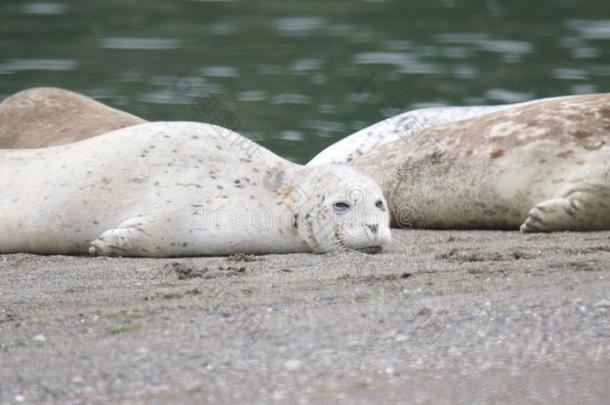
(134, 237)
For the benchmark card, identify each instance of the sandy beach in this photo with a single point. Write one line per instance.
(438, 317)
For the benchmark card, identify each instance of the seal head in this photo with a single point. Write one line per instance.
(339, 208)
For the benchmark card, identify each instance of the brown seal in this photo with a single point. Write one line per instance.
(47, 116)
(541, 167)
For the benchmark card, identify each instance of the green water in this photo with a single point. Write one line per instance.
(299, 75)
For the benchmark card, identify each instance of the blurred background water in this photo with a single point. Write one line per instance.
(298, 75)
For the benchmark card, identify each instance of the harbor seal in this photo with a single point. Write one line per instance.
(400, 126)
(181, 189)
(48, 116)
(539, 167)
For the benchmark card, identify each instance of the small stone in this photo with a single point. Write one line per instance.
(453, 351)
(401, 338)
(19, 398)
(40, 338)
(389, 370)
(293, 365)
(277, 395)
(602, 304)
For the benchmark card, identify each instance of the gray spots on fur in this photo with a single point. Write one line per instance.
(196, 185)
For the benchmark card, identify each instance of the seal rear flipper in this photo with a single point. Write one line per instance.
(583, 208)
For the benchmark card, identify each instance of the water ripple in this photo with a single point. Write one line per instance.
(220, 71)
(512, 50)
(420, 68)
(591, 29)
(223, 29)
(584, 89)
(291, 98)
(139, 43)
(302, 65)
(508, 96)
(384, 58)
(461, 38)
(59, 65)
(44, 8)
(325, 126)
(294, 136)
(164, 97)
(407, 63)
(465, 72)
(298, 26)
(505, 46)
(397, 45)
(254, 95)
(570, 74)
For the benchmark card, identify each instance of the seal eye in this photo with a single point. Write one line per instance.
(341, 208)
(379, 204)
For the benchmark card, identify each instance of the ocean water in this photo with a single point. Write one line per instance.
(298, 75)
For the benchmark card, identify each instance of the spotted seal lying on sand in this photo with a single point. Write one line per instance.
(181, 189)
(541, 167)
(48, 116)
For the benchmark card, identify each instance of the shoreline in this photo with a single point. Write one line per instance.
(438, 317)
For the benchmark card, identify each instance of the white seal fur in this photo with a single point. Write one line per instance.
(181, 189)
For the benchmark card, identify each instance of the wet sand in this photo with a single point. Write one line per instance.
(438, 317)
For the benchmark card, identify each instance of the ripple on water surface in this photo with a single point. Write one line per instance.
(44, 8)
(14, 65)
(298, 26)
(591, 29)
(139, 43)
(220, 71)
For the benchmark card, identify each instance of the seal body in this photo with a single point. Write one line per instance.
(541, 167)
(181, 189)
(401, 126)
(48, 116)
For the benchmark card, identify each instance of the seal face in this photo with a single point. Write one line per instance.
(401, 126)
(48, 116)
(538, 167)
(181, 189)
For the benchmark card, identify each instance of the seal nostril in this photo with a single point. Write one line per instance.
(373, 228)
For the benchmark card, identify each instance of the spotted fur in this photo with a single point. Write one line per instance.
(178, 189)
(538, 167)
